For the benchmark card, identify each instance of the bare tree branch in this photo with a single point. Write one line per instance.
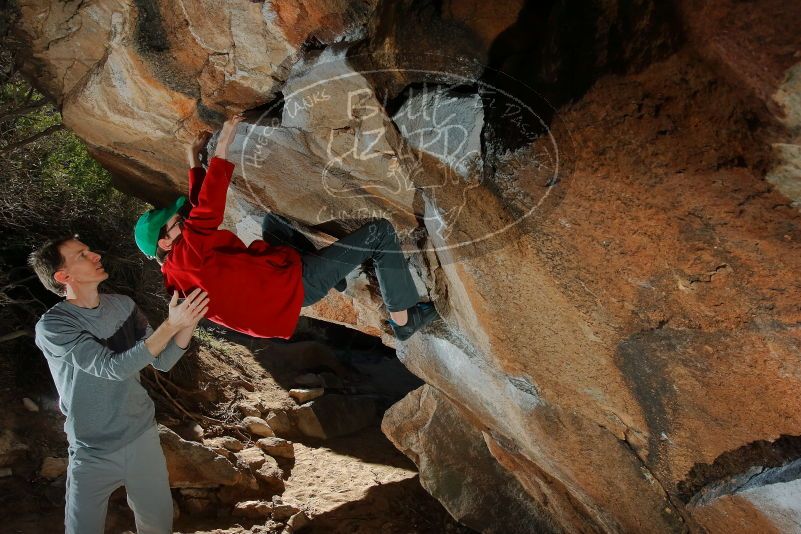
(15, 335)
(19, 144)
(23, 110)
(17, 283)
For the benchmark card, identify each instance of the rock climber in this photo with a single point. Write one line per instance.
(95, 345)
(259, 289)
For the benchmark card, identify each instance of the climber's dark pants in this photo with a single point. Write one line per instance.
(323, 268)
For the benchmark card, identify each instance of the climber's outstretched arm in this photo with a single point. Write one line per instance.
(196, 147)
(196, 171)
(208, 191)
(227, 136)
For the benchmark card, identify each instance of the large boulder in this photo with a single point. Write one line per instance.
(615, 263)
(331, 416)
(192, 465)
(137, 80)
(457, 467)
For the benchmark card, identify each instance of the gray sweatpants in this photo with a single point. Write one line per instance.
(139, 466)
(324, 268)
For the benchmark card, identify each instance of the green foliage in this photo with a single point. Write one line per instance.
(50, 187)
(70, 165)
(209, 341)
(59, 163)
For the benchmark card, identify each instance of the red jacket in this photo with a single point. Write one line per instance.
(256, 290)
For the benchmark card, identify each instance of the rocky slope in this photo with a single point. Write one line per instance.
(599, 196)
(250, 447)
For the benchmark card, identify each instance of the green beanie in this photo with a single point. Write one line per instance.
(146, 231)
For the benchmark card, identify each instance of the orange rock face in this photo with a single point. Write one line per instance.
(138, 80)
(617, 266)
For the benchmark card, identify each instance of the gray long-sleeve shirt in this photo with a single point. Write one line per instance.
(95, 355)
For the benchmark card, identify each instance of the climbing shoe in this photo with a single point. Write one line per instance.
(420, 315)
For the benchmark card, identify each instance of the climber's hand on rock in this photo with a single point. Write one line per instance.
(194, 149)
(227, 135)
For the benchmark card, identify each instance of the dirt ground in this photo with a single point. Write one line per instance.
(357, 483)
